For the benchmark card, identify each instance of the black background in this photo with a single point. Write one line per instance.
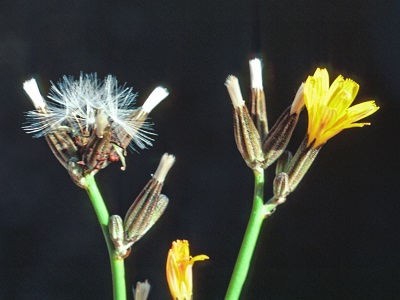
(337, 236)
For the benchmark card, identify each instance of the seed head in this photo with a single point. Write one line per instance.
(90, 121)
(89, 105)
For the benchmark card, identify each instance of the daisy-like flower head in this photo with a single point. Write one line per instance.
(329, 110)
(179, 270)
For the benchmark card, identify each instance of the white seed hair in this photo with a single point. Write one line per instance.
(32, 89)
(298, 102)
(232, 84)
(159, 94)
(166, 162)
(256, 74)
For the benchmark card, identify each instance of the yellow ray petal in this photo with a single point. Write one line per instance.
(328, 107)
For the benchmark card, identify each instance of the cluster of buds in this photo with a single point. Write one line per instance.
(259, 146)
(89, 123)
(329, 112)
(143, 213)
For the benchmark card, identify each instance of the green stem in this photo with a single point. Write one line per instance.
(117, 265)
(249, 240)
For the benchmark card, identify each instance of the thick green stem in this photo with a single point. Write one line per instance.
(117, 265)
(249, 240)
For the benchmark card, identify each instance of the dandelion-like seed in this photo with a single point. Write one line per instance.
(89, 123)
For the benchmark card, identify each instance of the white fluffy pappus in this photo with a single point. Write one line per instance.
(89, 105)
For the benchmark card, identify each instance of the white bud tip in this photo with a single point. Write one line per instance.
(159, 94)
(256, 74)
(167, 160)
(298, 101)
(232, 84)
(142, 290)
(32, 89)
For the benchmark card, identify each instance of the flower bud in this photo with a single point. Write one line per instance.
(142, 290)
(282, 164)
(278, 137)
(117, 236)
(281, 187)
(145, 211)
(258, 109)
(149, 205)
(116, 229)
(259, 112)
(246, 135)
(301, 162)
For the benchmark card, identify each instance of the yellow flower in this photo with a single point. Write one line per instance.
(329, 110)
(179, 270)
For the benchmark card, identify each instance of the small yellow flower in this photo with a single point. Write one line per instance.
(329, 110)
(179, 270)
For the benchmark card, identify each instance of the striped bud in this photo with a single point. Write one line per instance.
(144, 212)
(116, 228)
(117, 236)
(279, 136)
(301, 162)
(247, 137)
(149, 205)
(281, 187)
(258, 108)
(282, 164)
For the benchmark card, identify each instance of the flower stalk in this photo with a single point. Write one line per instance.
(117, 264)
(258, 214)
(88, 124)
